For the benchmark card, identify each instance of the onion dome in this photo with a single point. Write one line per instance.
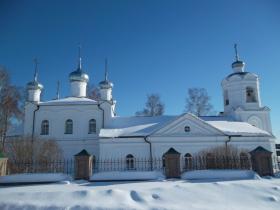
(106, 84)
(35, 85)
(79, 75)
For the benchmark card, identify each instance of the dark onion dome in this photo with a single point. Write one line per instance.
(106, 84)
(34, 85)
(79, 76)
(238, 64)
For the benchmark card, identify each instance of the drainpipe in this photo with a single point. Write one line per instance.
(151, 155)
(33, 122)
(226, 142)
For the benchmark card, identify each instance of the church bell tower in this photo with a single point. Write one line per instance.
(241, 95)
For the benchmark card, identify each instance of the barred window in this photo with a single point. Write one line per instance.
(244, 160)
(92, 126)
(130, 162)
(163, 161)
(69, 126)
(45, 127)
(188, 161)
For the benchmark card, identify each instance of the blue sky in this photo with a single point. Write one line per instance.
(153, 46)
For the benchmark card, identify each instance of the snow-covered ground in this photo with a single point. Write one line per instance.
(34, 178)
(261, 194)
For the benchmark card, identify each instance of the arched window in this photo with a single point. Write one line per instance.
(250, 95)
(69, 126)
(92, 126)
(188, 161)
(45, 127)
(226, 100)
(244, 160)
(130, 162)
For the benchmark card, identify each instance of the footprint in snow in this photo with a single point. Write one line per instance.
(155, 196)
(276, 188)
(272, 198)
(136, 197)
(109, 192)
(82, 193)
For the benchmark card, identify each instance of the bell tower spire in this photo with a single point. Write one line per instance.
(237, 65)
(34, 88)
(78, 79)
(236, 52)
(105, 85)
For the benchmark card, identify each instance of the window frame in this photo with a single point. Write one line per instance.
(68, 130)
(45, 128)
(92, 130)
(130, 162)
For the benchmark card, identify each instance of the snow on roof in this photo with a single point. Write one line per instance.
(238, 128)
(134, 126)
(216, 118)
(69, 100)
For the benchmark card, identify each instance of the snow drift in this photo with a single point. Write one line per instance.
(127, 175)
(33, 178)
(220, 174)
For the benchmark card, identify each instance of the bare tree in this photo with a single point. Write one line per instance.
(93, 92)
(198, 102)
(10, 104)
(43, 152)
(154, 106)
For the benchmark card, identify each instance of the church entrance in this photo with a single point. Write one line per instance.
(172, 164)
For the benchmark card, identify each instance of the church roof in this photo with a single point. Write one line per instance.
(69, 100)
(135, 126)
(143, 126)
(234, 128)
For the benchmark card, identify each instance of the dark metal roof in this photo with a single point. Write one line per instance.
(83, 153)
(260, 149)
(172, 151)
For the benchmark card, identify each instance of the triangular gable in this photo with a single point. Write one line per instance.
(198, 127)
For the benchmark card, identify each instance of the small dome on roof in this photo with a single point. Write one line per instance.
(78, 75)
(106, 84)
(34, 85)
(238, 64)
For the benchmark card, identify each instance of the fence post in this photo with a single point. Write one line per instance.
(83, 165)
(262, 161)
(3, 166)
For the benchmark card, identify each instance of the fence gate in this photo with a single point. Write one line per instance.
(262, 161)
(172, 164)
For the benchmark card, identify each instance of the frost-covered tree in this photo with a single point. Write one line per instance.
(93, 92)
(10, 104)
(154, 106)
(198, 102)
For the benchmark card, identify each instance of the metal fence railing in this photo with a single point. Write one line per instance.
(67, 166)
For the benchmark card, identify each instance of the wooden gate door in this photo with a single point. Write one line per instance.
(172, 164)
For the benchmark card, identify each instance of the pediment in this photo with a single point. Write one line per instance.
(179, 127)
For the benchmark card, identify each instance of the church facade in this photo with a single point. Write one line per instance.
(77, 122)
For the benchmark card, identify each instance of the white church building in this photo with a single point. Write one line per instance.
(78, 123)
